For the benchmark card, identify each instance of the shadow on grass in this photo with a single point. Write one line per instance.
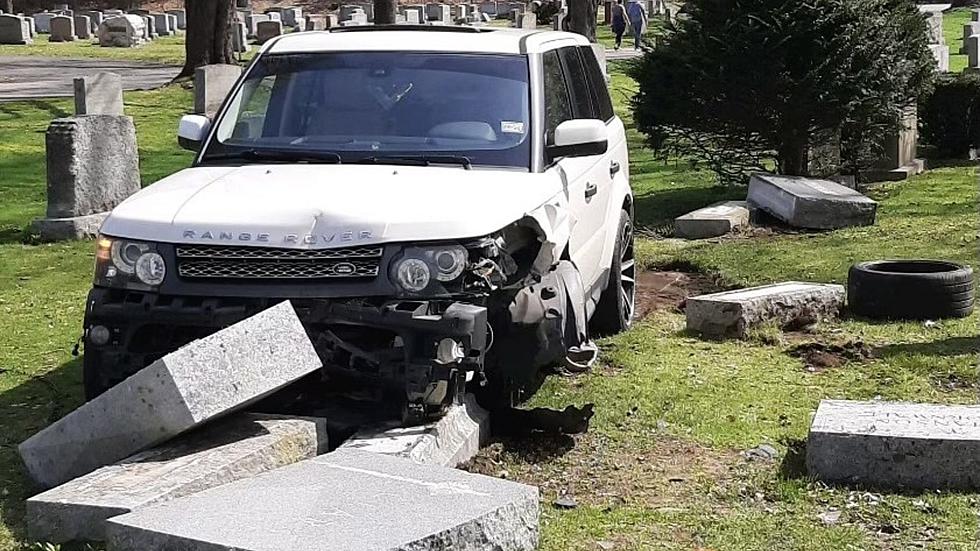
(793, 465)
(662, 206)
(51, 108)
(26, 409)
(952, 346)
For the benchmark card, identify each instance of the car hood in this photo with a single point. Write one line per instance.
(322, 206)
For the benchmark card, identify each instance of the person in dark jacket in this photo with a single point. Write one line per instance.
(619, 22)
(637, 15)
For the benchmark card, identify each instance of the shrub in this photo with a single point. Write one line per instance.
(745, 84)
(949, 116)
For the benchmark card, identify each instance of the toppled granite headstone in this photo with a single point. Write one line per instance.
(712, 221)
(733, 313)
(448, 442)
(211, 84)
(895, 445)
(204, 380)
(99, 94)
(92, 166)
(231, 449)
(347, 500)
(810, 203)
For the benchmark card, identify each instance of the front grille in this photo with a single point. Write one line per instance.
(235, 262)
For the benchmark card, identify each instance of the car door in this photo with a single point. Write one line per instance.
(567, 96)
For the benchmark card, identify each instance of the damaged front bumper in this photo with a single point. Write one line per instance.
(423, 350)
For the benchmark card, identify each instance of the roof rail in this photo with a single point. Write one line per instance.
(427, 28)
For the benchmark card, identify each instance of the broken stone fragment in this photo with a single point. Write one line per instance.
(712, 221)
(204, 380)
(733, 313)
(349, 499)
(231, 449)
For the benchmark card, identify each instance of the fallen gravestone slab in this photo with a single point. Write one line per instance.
(448, 442)
(712, 221)
(895, 445)
(349, 499)
(809, 203)
(207, 378)
(239, 447)
(732, 313)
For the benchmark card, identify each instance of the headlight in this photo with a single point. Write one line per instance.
(418, 266)
(128, 264)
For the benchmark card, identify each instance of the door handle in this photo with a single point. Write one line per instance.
(613, 168)
(590, 190)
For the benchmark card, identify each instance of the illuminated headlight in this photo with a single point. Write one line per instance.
(128, 264)
(418, 266)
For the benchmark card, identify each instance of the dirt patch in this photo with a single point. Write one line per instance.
(667, 290)
(818, 356)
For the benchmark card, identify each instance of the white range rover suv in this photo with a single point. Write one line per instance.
(443, 205)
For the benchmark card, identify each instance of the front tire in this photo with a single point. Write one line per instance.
(614, 313)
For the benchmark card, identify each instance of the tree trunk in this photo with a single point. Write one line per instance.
(581, 18)
(792, 154)
(384, 12)
(8, 6)
(208, 34)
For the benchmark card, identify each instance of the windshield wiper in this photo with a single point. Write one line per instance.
(418, 160)
(279, 155)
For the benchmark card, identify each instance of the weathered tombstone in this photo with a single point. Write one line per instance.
(14, 29)
(934, 27)
(267, 30)
(898, 160)
(181, 16)
(940, 52)
(291, 16)
(712, 221)
(99, 94)
(162, 24)
(30, 25)
(92, 166)
(449, 442)
(252, 23)
(172, 21)
(558, 21)
(62, 29)
(969, 29)
(239, 447)
(412, 16)
(149, 27)
(95, 18)
(212, 83)
(42, 21)
(528, 20)
(896, 445)
(334, 501)
(201, 381)
(83, 27)
(346, 11)
(122, 31)
(239, 37)
(317, 22)
(973, 51)
(274, 16)
(810, 203)
(734, 313)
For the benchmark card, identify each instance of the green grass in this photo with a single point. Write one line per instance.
(660, 468)
(953, 21)
(168, 50)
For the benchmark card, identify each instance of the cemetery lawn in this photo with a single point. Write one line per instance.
(661, 467)
(166, 50)
(953, 21)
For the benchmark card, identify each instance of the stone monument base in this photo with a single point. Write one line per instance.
(75, 227)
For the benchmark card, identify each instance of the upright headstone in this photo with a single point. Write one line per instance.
(274, 16)
(940, 52)
(62, 29)
(898, 160)
(92, 166)
(489, 8)
(267, 30)
(122, 31)
(318, 22)
(42, 21)
(181, 16)
(291, 16)
(95, 18)
(172, 20)
(934, 27)
(212, 83)
(30, 25)
(252, 23)
(149, 27)
(14, 29)
(975, 15)
(973, 51)
(239, 37)
(162, 24)
(83, 27)
(99, 94)
(971, 28)
(200, 382)
(528, 20)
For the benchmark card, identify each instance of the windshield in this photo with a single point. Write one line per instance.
(379, 106)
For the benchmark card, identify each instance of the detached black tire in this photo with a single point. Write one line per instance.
(910, 289)
(614, 313)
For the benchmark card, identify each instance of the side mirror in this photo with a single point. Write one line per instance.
(579, 138)
(192, 131)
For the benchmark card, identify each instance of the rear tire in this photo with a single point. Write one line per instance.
(614, 313)
(910, 289)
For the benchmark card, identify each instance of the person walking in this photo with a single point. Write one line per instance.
(637, 16)
(619, 22)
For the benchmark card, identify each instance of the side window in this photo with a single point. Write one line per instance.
(597, 84)
(557, 104)
(578, 83)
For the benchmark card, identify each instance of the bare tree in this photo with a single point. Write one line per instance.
(581, 18)
(208, 34)
(384, 12)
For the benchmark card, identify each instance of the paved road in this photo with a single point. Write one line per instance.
(28, 77)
